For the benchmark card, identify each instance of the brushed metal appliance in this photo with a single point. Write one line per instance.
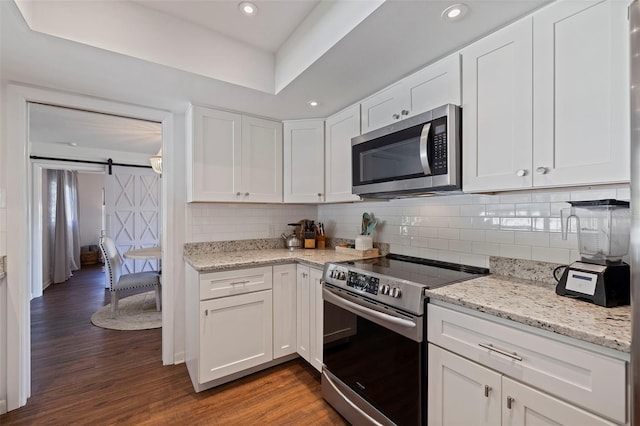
(418, 155)
(634, 251)
(375, 345)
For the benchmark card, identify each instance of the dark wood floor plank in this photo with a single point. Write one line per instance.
(87, 375)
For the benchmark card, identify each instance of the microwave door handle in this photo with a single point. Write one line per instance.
(424, 154)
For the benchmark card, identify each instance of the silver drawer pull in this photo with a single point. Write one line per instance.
(241, 282)
(487, 389)
(511, 355)
(509, 402)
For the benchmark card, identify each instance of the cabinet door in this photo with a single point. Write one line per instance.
(581, 93)
(235, 334)
(214, 155)
(522, 405)
(497, 110)
(317, 318)
(461, 392)
(284, 310)
(304, 161)
(434, 86)
(340, 128)
(383, 108)
(261, 160)
(303, 314)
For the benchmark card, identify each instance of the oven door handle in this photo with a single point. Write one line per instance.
(339, 301)
(348, 401)
(424, 153)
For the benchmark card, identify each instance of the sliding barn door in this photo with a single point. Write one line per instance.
(132, 213)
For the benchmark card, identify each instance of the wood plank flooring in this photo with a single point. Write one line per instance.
(82, 374)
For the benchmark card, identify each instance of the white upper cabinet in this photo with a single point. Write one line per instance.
(581, 93)
(304, 161)
(214, 153)
(232, 158)
(545, 100)
(497, 109)
(340, 128)
(429, 88)
(261, 160)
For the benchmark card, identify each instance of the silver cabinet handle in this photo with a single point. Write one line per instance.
(240, 282)
(509, 402)
(405, 112)
(487, 389)
(319, 194)
(304, 275)
(238, 193)
(542, 170)
(246, 194)
(424, 154)
(396, 116)
(521, 173)
(511, 355)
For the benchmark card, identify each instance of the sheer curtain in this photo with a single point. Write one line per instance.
(63, 226)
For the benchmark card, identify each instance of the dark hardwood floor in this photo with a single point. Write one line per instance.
(83, 374)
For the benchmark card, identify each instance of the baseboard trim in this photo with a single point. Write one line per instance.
(3, 406)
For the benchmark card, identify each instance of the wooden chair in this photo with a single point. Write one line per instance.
(119, 281)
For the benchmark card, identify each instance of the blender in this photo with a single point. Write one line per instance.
(603, 228)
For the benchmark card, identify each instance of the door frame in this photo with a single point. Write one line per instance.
(19, 235)
(37, 218)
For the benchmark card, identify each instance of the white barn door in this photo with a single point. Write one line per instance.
(132, 213)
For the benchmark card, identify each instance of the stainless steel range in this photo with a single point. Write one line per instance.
(375, 351)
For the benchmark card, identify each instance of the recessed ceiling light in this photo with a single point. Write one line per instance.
(248, 8)
(313, 103)
(72, 144)
(454, 12)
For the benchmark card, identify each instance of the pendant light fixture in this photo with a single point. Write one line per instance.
(156, 162)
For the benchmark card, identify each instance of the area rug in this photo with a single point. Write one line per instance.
(136, 312)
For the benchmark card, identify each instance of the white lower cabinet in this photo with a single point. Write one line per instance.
(235, 334)
(489, 398)
(455, 382)
(309, 315)
(284, 310)
(486, 371)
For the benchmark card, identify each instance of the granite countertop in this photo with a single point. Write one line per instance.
(536, 304)
(212, 262)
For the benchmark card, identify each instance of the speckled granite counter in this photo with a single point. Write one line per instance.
(211, 262)
(536, 304)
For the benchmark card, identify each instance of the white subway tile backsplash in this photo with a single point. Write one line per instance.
(500, 237)
(533, 210)
(428, 253)
(593, 194)
(472, 234)
(556, 241)
(553, 255)
(472, 210)
(420, 242)
(460, 222)
(474, 260)
(516, 252)
(3, 198)
(435, 243)
(449, 256)
(519, 197)
(3, 243)
(488, 249)
(485, 222)
(459, 245)
(429, 232)
(532, 239)
(550, 197)
(623, 194)
(449, 233)
(500, 210)
(516, 223)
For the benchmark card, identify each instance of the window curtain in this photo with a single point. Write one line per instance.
(63, 225)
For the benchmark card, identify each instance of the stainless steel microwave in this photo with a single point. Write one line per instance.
(418, 155)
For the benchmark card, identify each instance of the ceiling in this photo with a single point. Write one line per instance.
(396, 38)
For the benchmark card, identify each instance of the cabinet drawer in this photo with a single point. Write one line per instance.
(229, 283)
(588, 379)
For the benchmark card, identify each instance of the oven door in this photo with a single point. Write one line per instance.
(374, 360)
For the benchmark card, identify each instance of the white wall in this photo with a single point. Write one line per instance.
(223, 222)
(3, 251)
(470, 228)
(90, 186)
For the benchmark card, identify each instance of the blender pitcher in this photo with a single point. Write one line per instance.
(603, 228)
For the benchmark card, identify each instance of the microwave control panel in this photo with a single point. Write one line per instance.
(439, 165)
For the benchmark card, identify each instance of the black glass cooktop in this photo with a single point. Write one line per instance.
(431, 273)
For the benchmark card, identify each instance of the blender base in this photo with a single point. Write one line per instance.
(604, 285)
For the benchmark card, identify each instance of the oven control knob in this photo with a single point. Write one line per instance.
(395, 292)
(385, 289)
